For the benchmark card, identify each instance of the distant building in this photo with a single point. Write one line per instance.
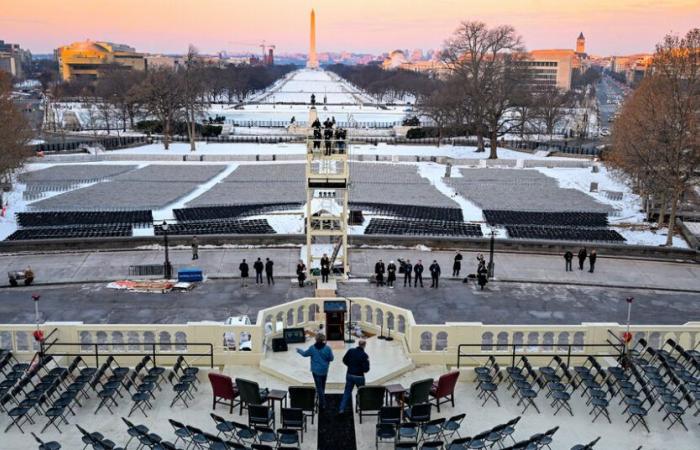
(633, 67)
(581, 44)
(87, 59)
(163, 61)
(552, 67)
(13, 59)
(398, 60)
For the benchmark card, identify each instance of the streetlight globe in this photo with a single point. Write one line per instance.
(165, 226)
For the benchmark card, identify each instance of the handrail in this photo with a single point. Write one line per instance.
(153, 353)
(521, 350)
(47, 338)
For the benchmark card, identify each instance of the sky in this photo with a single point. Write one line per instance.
(611, 27)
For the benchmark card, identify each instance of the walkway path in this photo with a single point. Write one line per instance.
(99, 266)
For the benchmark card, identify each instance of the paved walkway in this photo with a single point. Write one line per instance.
(96, 266)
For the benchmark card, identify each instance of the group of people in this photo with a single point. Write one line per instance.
(411, 273)
(582, 255)
(258, 267)
(327, 133)
(355, 359)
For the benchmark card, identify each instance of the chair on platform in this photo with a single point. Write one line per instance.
(443, 390)
(223, 391)
(304, 398)
(250, 393)
(370, 398)
(418, 392)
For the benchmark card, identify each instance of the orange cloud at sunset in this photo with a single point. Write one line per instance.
(611, 27)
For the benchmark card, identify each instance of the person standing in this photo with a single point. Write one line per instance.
(591, 260)
(301, 273)
(391, 274)
(418, 272)
(321, 356)
(357, 361)
(568, 257)
(582, 254)
(195, 248)
(434, 274)
(408, 270)
(379, 270)
(325, 268)
(480, 259)
(457, 265)
(258, 266)
(268, 271)
(243, 267)
(482, 275)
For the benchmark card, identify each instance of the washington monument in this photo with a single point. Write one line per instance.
(312, 62)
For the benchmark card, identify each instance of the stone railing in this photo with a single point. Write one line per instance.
(424, 343)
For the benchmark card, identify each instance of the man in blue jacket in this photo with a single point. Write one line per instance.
(358, 365)
(321, 356)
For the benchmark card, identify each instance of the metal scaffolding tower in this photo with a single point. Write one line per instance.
(327, 183)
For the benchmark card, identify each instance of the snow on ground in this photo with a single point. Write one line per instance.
(283, 223)
(210, 148)
(649, 237)
(167, 212)
(434, 173)
(628, 209)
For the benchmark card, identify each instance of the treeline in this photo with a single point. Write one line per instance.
(386, 85)
(656, 137)
(165, 96)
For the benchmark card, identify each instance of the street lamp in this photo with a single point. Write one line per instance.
(167, 268)
(491, 266)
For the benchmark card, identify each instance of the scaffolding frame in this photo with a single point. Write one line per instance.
(327, 194)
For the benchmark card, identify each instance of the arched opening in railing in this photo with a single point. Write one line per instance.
(426, 341)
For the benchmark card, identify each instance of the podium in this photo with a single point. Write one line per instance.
(335, 319)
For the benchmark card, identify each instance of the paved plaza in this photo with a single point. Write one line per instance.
(500, 303)
(99, 266)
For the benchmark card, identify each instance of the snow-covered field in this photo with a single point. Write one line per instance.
(204, 148)
(298, 87)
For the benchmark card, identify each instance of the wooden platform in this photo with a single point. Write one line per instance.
(388, 360)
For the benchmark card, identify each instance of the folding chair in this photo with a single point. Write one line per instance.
(223, 426)
(133, 430)
(53, 445)
(293, 419)
(287, 437)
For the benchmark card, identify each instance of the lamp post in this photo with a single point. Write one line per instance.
(349, 340)
(167, 268)
(491, 266)
(36, 298)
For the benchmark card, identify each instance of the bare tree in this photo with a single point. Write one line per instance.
(657, 135)
(15, 133)
(551, 107)
(487, 62)
(442, 106)
(161, 95)
(193, 93)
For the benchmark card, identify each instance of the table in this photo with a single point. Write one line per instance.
(277, 395)
(395, 391)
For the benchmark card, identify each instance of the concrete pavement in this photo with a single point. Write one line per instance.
(96, 266)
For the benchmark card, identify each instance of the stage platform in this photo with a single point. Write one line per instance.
(388, 360)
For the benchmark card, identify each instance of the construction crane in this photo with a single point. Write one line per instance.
(266, 59)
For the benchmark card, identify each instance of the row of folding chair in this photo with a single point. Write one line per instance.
(416, 425)
(234, 435)
(495, 437)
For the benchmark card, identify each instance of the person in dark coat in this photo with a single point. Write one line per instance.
(258, 266)
(418, 272)
(301, 273)
(325, 268)
(457, 265)
(268, 271)
(317, 136)
(434, 274)
(391, 274)
(379, 270)
(408, 270)
(195, 248)
(357, 363)
(568, 257)
(591, 260)
(582, 254)
(316, 124)
(328, 137)
(482, 275)
(243, 267)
